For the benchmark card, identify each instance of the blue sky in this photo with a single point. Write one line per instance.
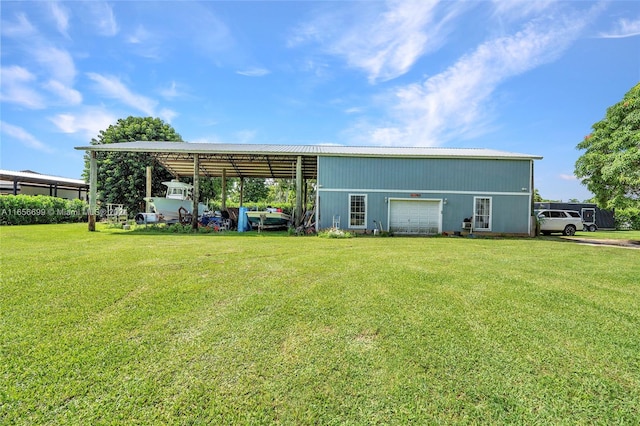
(522, 76)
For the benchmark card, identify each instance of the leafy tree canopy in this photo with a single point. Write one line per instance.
(610, 165)
(122, 176)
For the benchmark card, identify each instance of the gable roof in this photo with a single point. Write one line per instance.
(278, 161)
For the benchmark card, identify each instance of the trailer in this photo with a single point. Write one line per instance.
(593, 217)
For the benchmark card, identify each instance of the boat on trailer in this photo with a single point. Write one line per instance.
(268, 219)
(177, 201)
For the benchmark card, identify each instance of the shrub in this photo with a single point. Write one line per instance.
(40, 209)
(334, 233)
(628, 218)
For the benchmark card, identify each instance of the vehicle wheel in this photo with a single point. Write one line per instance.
(592, 228)
(569, 230)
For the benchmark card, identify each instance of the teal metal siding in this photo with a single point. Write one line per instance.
(458, 181)
(424, 174)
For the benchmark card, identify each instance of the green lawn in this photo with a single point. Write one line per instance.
(118, 327)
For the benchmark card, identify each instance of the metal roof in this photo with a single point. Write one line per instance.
(37, 178)
(278, 161)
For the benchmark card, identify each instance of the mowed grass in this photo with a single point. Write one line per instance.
(118, 327)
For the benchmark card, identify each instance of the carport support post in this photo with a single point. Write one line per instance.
(196, 191)
(298, 220)
(223, 207)
(147, 207)
(93, 179)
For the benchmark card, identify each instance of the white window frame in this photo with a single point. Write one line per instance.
(366, 208)
(475, 214)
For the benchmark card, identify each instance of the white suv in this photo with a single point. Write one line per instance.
(565, 221)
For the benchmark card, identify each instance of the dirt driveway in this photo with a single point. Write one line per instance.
(632, 244)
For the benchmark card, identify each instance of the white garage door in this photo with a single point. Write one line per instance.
(414, 216)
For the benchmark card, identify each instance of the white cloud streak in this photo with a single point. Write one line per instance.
(20, 29)
(57, 63)
(24, 137)
(567, 177)
(17, 87)
(623, 28)
(254, 72)
(61, 17)
(454, 103)
(112, 87)
(65, 93)
(89, 122)
(511, 10)
(53, 68)
(384, 44)
(104, 18)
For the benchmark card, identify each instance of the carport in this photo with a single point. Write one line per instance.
(183, 159)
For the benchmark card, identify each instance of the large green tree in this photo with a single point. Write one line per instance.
(610, 165)
(255, 190)
(122, 176)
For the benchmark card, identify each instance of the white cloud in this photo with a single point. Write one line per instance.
(517, 9)
(353, 110)
(89, 122)
(384, 44)
(20, 29)
(104, 18)
(456, 102)
(23, 137)
(167, 115)
(69, 95)
(112, 87)
(254, 72)
(171, 92)
(147, 44)
(567, 177)
(245, 136)
(61, 17)
(623, 28)
(58, 63)
(140, 35)
(17, 87)
(52, 64)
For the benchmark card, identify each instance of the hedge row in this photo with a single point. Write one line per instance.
(33, 209)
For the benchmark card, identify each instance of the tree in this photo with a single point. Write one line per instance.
(537, 198)
(122, 176)
(610, 166)
(254, 190)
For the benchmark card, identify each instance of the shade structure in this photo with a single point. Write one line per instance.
(243, 161)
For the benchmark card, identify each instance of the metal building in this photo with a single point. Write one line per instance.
(427, 190)
(27, 182)
(421, 191)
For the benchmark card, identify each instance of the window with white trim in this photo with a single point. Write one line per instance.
(482, 213)
(357, 210)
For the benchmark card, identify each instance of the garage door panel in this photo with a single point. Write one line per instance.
(414, 217)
